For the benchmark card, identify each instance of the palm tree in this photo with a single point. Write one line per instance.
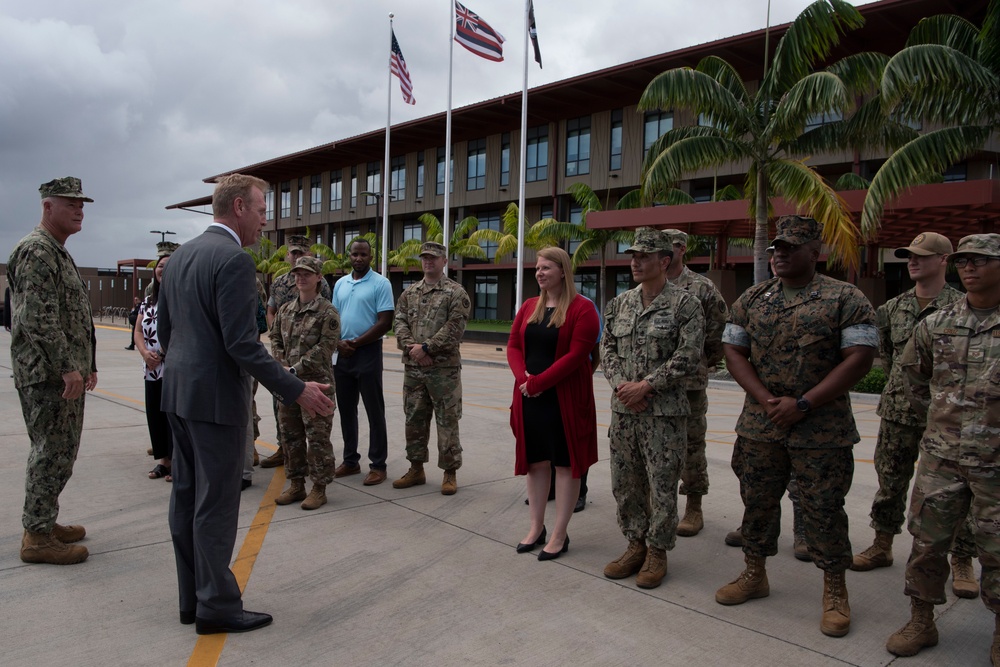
(545, 232)
(407, 254)
(948, 73)
(766, 128)
(269, 260)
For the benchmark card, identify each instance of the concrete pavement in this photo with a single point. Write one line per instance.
(411, 577)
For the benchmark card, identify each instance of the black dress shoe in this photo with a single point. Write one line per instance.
(130, 347)
(548, 555)
(245, 484)
(245, 621)
(525, 547)
(187, 617)
(581, 504)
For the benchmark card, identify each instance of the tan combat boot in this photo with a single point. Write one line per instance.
(44, 548)
(693, 520)
(750, 585)
(316, 497)
(295, 492)
(274, 460)
(629, 562)
(836, 610)
(963, 579)
(69, 534)
(879, 554)
(413, 477)
(653, 569)
(734, 538)
(920, 632)
(449, 484)
(995, 649)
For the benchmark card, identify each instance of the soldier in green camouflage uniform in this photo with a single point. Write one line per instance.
(430, 321)
(694, 478)
(52, 354)
(902, 425)
(797, 344)
(283, 291)
(952, 363)
(654, 336)
(303, 336)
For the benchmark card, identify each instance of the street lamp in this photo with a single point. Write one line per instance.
(163, 235)
(385, 227)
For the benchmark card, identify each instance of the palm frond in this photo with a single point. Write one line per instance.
(631, 199)
(815, 94)
(947, 30)
(727, 76)
(989, 38)
(685, 88)
(851, 181)
(728, 193)
(667, 167)
(860, 72)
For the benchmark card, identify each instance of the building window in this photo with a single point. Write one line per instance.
(575, 218)
(350, 233)
(490, 220)
(615, 162)
(476, 165)
(586, 284)
(413, 231)
(505, 159)
(315, 193)
(298, 201)
(486, 298)
(420, 175)
(623, 282)
(269, 201)
(286, 199)
(354, 186)
(397, 178)
(956, 172)
(821, 119)
(657, 124)
(408, 283)
(336, 191)
(374, 181)
(439, 189)
(537, 159)
(578, 146)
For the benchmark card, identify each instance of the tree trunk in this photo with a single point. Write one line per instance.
(760, 236)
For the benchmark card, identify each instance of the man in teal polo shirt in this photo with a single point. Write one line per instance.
(364, 300)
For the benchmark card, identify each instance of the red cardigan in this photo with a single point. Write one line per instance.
(572, 377)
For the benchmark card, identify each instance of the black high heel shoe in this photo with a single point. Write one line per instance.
(525, 547)
(549, 555)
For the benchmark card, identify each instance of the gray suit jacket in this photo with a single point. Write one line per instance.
(207, 329)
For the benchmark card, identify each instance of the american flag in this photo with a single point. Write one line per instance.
(476, 35)
(397, 65)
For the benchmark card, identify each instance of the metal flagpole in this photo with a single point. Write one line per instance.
(519, 289)
(447, 137)
(385, 165)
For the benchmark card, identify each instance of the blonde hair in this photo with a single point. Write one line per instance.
(560, 257)
(233, 187)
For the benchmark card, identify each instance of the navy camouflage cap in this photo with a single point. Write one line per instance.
(677, 237)
(68, 186)
(979, 244)
(796, 230)
(166, 248)
(300, 243)
(433, 249)
(650, 240)
(310, 264)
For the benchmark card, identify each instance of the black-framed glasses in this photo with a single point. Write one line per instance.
(961, 262)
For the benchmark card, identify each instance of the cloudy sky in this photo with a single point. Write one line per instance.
(142, 100)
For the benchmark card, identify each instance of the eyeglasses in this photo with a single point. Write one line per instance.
(961, 262)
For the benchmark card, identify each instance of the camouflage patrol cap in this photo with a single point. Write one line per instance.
(166, 248)
(924, 245)
(650, 240)
(68, 187)
(432, 249)
(796, 230)
(310, 264)
(299, 243)
(979, 244)
(676, 236)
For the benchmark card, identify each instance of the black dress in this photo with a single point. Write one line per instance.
(544, 437)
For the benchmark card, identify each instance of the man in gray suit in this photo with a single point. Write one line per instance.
(207, 328)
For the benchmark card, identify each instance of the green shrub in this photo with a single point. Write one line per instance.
(873, 383)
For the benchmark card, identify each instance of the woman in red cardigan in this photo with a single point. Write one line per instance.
(553, 415)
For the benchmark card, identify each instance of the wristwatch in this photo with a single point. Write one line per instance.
(803, 404)
(424, 348)
(291, 369)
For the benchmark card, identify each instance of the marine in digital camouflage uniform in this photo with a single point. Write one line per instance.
(797, 344)
(653, 342)
(694, 478)
(283, 291)
(430, 320)
(303, 338)
(902, 425)
(952, 363)
(52, 354)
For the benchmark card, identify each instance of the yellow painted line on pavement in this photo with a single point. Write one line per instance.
(112, 327)
(208, 648)
(111, 394)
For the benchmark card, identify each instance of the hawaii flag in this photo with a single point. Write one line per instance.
(476, 35)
